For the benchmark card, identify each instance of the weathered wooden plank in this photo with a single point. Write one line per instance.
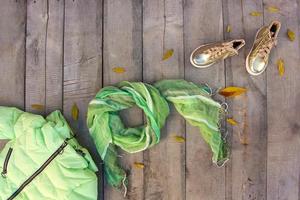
(82, 66)
(203, 23)
(246, 170)
(123, 48)
(54, 56)
(44, 45)
(37, 18)
(165, 162)
(283, 164)
(12, 54)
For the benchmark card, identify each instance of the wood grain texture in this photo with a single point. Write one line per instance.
(165, 162)
(123, 48)
(44, 50)
(203, 23)
(36, 39)
(12, 54)
(246, 170)
(82, 66)
(283, 164)
(54, 56)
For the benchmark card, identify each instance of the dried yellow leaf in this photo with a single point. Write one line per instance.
(75, 112)
(244, 141)
(139, 165)
(280, 65)
(291, 35)
(273, 9)
(228, 28)
(119, 70)
(232, 121)
(168, 54)
(255, 13)
(37, 107)
(232, 91)
(179, 139)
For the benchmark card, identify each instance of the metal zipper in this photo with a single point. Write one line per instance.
(5, 164)
(35, 174)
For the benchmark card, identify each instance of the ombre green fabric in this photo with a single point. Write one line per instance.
(192, 101)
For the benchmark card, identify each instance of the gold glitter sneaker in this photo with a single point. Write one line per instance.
(258, 57)
(208, 54)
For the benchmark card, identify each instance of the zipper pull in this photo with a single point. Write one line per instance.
(61, 148)
(4, 171)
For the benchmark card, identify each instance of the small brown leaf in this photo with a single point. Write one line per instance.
(291, 35)
(119, 70)
(232, 91)
(168, 54)
(37, 107)
(228, 28)
(273, 9)
(179, 139)
(255, 14)
(139, 165)
(280, 65)
(75, 112)
(232, 121)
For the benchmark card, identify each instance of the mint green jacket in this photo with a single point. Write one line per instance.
(42, 160)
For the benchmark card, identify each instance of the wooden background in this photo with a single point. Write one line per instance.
(60, 52)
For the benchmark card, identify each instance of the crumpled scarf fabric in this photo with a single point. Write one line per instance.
(192, 101)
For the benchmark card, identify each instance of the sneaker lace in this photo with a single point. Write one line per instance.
(266, 48)
(219, 51)
(265, 45)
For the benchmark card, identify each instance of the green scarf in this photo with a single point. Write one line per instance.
(192, 101)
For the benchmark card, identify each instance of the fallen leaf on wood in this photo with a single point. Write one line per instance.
(228, 29)
(179, 139)
(273, 9)
(119, 70)
(232, 91)
(168, 54)
(37, 107)
(139, 165)
(255, 14)
(232, 121)
(75, 112)
(291, 35)
(280, 65)
(244, 141)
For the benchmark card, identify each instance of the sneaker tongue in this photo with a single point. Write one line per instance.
(263, 33)
(262, 37)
